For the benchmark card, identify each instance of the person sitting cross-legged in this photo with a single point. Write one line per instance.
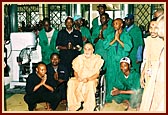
(82, 87)
(127, 88)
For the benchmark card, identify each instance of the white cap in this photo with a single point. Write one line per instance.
(125, 59)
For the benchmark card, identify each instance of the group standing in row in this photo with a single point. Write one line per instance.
(111, 45)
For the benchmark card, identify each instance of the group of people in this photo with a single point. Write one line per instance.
(47, 84)
(73, 57)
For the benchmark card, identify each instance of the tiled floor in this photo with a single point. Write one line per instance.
(16, 103)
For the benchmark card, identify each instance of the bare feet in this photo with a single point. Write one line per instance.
(126, 104)
(64, 101)
(138, 107)
(48, 108)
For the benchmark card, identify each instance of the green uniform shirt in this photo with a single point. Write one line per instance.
(115, 53)
(130, 83)
(99, 45)
(47, 50)
(137, 40)
(95, 23)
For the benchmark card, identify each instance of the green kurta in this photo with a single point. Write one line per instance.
(130, 83)
(99, 46)
(115, 53)
(47, 50)
(137, 39)
(95, 23)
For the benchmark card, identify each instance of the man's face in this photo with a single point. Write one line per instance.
(46, 26)
(124, 67)
(157, 14)
(78, 22)
(101, 10)
(128, 22)
(117, 24)
(69, 24)
(41, 70)
(153, 29)
(55, 60)
(103, 19)
(88, 50)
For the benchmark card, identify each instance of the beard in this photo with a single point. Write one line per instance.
(88, 55)
(153, 35)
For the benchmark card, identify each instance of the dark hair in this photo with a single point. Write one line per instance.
(118, 19)
(68, 19)
(102, 5)
(39, 63)
(106, 15)
(154, 19)
(54, 54)
(46, 20)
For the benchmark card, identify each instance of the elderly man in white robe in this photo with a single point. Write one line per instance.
(82, 87)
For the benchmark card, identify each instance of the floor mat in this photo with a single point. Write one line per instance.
(17, 103)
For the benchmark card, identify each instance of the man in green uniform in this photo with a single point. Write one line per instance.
(127, 89)
(138, 42)
(99, 34)
(86, 35)
(96, 21)
(47, 41)
(118, 44)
